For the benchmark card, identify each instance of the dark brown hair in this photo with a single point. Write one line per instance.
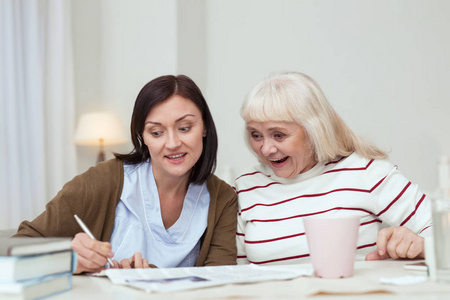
(156, 91)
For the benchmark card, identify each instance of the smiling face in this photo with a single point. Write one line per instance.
(174, 134)
(283, 146)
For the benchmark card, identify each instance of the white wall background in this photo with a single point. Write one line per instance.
(118, 47)
(382, 64)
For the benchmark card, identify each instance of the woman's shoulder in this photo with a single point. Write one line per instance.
(220, 191)
(360, 164)
(109, 172)
(98, 182)
(356, 158)
(216, 183)
(258, 174)
(109, 166)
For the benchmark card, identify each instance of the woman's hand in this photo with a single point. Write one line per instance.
(398, 242)
(135, 262)
(91, 254)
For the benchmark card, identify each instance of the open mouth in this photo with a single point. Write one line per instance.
(279, 160)
(176, 157)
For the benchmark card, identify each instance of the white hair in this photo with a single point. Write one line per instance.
(296, 97)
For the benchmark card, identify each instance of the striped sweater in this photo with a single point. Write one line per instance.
(271, 209)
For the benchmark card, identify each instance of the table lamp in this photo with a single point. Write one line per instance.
(100, 128)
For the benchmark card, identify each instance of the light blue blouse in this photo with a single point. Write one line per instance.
(138, 226)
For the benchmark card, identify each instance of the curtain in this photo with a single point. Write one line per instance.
(37, 155)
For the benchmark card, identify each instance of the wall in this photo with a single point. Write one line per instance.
(382, 64)
(118, 47)
(191, 40)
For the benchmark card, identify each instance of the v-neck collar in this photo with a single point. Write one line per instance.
(152, 208)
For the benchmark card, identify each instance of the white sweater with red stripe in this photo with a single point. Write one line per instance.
(271, 209)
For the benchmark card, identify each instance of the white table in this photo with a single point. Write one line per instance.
(365, 280)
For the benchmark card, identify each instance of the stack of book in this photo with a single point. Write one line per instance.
(33, 268)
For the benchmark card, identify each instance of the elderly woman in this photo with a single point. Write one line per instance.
(313, 164)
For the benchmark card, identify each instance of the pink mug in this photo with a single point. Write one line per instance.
(332, 245)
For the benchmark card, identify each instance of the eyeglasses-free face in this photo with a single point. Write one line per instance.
(283, 146)
(173, 133)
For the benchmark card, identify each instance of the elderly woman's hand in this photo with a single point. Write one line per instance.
(134, 262)
(398, 242)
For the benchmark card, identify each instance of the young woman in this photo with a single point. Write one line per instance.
(160, 205)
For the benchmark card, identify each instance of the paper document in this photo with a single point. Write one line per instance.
(177, 279)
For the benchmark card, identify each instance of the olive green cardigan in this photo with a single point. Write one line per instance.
(94, 195)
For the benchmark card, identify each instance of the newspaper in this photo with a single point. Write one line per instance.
(178, 279)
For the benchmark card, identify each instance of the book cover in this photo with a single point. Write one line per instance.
(32, 245)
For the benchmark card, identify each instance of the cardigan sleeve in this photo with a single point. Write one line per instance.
(92, 195)
(56, 220)
(220, 241)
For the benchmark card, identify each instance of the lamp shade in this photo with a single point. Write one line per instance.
(101, 126)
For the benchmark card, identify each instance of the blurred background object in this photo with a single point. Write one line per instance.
(100, 129)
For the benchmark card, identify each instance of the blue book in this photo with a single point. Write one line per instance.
(16, 268)
(36, 288)
(18, 246)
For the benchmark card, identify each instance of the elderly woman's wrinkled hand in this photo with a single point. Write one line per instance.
(398, 242)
